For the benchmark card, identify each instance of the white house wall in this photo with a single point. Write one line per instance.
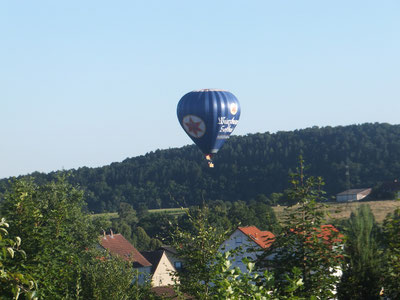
(239, 239)
(163, 274)
(144, 274)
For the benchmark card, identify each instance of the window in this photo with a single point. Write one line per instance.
(178, 265)
(238, 240)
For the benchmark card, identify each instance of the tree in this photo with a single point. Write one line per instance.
(127, 214)
(245, 167)
(362, 268)
(59, 241)
(111, 277)
(305, 242)
(197, 245)
(208, 273)
(14, 281)
(231, 284)
(56, 233)
(391, 275)
(143, 240)
(126, 221)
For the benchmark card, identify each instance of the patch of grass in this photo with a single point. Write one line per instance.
(108, 216)
(169, 211)
(338, 211)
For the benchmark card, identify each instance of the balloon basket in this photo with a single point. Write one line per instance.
(209, 161)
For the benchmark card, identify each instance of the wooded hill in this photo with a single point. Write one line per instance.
(246, 167)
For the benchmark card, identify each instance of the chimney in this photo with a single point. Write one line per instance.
(111, 233)
(255, 234)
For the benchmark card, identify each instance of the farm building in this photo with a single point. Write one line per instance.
(353, 195)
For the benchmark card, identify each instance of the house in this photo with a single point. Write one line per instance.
(252, 242)
(172, 256)
(162, 268)
(353, 195)
(117, 245)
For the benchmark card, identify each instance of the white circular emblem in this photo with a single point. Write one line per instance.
(233, 108)
(194, 126)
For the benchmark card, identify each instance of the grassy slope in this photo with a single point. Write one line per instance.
(343, 210)
(335, 210)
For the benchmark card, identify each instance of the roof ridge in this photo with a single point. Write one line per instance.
(262, 240)
(118, 245)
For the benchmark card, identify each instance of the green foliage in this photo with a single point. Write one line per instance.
(363, 263)
(229, 215)
(128, 223)
(147, 230)
(232, 284)
(305, 242)
(59, 238)
(111, 278)
(157, 225)
(247, 166)
(14, 281)
(391, 278)
(197, 246)
(127, 214)
(208, 273)
(384, 191)
(56, 233)
(143, 240)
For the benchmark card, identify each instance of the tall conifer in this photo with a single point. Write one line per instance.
(363, 262)
(306, 242)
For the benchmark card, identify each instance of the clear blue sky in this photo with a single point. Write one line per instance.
(87, 83)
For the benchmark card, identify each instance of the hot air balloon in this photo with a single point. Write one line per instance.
(209, 117)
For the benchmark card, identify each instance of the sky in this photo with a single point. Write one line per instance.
(88, 83)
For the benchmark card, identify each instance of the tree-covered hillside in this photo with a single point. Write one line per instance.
(246, 167)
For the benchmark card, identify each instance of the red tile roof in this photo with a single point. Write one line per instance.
(118, 245)
(262, 238)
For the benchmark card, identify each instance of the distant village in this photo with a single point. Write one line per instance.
(161, 267)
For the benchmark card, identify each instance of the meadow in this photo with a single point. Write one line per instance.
(337, 210)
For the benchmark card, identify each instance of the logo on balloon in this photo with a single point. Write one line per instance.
(233, 108)
(194, 126)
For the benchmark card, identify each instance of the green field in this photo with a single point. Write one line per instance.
(168, 211)
(106, 215)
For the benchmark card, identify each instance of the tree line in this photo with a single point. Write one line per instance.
(49, 248)
(247, 167)
(308, 258)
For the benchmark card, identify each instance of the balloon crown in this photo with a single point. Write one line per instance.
(210, 90)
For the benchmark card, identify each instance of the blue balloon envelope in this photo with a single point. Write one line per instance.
(208, 117)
